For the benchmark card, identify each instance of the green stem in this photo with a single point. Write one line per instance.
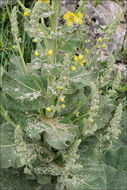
(99, 143)
(55, 7)
(49, 7)
(21, 55)
(80, 117)
(59, 45)
(21, 4)
(83, 42)
(87, 54)
(6, 117)
(63, 27)
(81, 7)
(80, 105)
(8, 11)
(43, 30)
(37, 84)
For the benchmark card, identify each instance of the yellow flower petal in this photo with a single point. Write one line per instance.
(80, 21)
(35, 40)
(69, 16)
(63, 106)
(50, 52)
(48, 109)
(70, 22)
(76, 58)
(80, 15)
(45, 1)
(100, 39)
(73, 68)
(36, 53)
(76, 19)
(103, 46)
(26, 13)
(62, 99)
(80, 56)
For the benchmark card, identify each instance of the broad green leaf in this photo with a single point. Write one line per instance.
(58, 135)
(52, 69)
(44, 179)
(80, 79)
(8, 148)
(24, 90)
(71, 42)
(72, 101)
(14, 179)
(16, 66)
(96, 174)
(116, 178)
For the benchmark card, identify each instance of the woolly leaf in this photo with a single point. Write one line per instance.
(14, 179)
(8, 148)
(95, 175)
(58, 135)
(23, 89)
(70, 43)
(80, 79)
(104, 113)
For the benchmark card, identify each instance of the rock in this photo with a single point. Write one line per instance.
(70, 5)
(102, 15)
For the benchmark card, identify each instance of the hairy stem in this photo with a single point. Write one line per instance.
(81, 7)
(6, 117)
(21, 55)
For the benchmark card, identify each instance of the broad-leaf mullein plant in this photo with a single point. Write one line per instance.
(54, 107)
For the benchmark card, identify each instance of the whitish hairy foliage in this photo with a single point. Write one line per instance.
(104, 80)
(14, 25)
(58, 108)
(116, 83)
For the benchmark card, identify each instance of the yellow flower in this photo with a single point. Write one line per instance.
(100, 39)
(36, 53)
(35, 40)
(103, 46)
(69, 17)
(73, 68)
(39, 30)
(80, 56)
(57, 87)
(60, 88)
(81, 64)
(45, 1)
(63, 106)
(76, 58)
(91, 120)
(50, 52)
(62, 99)
(78, 18)
(26, 13)
(48, 109)
(86, 50)
(84, 61)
